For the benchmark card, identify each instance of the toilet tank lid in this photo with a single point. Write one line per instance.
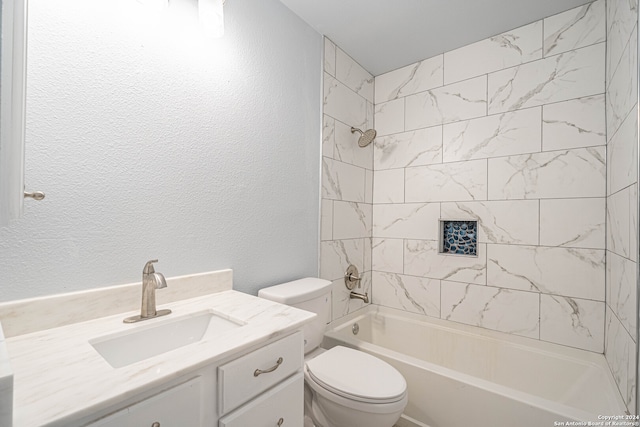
(297, 291)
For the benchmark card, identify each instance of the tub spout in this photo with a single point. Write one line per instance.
(364, 297)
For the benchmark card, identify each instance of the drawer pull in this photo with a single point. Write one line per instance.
(156, 424)
(280, 422)
(271, 369)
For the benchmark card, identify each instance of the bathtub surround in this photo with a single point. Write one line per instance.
(516, 128)
(347, 177)
(622, 195)
(513, 131)
(151, 142)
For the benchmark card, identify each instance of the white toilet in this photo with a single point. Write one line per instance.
(343, 387)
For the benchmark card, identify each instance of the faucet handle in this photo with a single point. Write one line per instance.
(148, 267)
(160, 280)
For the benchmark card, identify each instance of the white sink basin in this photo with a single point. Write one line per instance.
(148, 340)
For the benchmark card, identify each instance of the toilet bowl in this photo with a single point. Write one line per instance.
(347, 388)
(343, 387)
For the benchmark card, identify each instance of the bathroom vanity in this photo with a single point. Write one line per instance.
(224, 359)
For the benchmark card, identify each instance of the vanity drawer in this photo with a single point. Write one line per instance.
(179, 406)
(242, 379)
(285, 402)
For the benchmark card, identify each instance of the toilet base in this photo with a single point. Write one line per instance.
(324, 412)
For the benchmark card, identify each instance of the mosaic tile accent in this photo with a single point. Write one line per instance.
(459, 237)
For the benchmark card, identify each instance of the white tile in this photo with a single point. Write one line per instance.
(410, 221)
(389, 186)
(341, 303)
(421, 258)
(575, 223)
(622, 92)
(578, 273)
(622, 157)
(573, 322)
(575, 123)
(341, 181)
(368, 264)
(415, 148)
(455, 102)
(555, 174)
(389, 117)
(573, 74)
(499, 309)
(513, 222)
(631, 379)
(578, 27)
(343, 104)
(621, 275)
(622, 17)
(329, 57)
(499, 135)
(337, 255)
(414, 78)
(619, 222)
(351, 220)
(387, 255)
(326, 220)
(617, 347)
(347, 149)
(447, 182)
(368, 186)
(328, 136)
(633, 223)
(408, 293)
(353, 75)
(514, 47)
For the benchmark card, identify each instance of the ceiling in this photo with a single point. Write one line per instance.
(383, 35)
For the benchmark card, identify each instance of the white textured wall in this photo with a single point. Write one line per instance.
(151, 142)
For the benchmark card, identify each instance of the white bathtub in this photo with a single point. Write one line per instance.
(460, 376)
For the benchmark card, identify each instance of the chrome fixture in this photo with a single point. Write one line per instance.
(351, 277)
(365, 137)
(35, 195)
(355, 328)
(364, 297)
(150, 282)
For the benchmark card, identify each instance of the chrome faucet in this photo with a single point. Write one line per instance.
(150, 282)
(364, 297)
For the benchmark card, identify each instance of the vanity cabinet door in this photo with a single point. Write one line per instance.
(180, 406)
(281, 406)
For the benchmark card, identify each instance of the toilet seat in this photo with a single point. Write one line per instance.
(356, 376)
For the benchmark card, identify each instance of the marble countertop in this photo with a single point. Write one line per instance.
(59, 377)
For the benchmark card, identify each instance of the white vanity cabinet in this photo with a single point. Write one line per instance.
(256, 389)
(178, 406)
(268, 383)
(281, 406)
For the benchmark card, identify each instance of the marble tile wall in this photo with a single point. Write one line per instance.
(532, 132)
(622, 188)
(510, 131)
(347, 177)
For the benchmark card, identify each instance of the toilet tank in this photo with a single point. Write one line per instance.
(310, 294)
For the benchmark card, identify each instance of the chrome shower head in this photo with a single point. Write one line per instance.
(365, 137)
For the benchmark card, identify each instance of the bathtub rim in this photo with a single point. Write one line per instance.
(563, 410)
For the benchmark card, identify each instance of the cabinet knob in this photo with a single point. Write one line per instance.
(155, 424)
(280, 422)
